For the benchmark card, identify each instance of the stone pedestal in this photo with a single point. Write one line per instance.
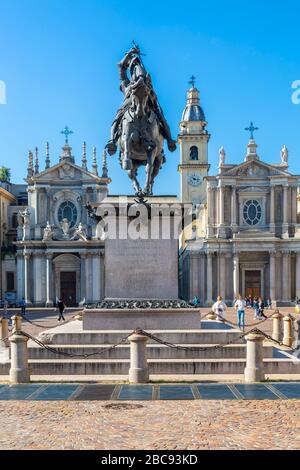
(146, 319)
(141, 269)
(138, 372)
(254, 371)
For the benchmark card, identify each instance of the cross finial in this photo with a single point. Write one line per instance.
(192, 81)
(66, 132)
(252, 129)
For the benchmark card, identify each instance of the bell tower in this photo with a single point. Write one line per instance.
(193, 140)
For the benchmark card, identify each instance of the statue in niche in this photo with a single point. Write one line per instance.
(26, 217)
(20, 219)
(48, 233)
(65, 226)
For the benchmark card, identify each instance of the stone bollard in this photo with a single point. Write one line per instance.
(139, 371)
(287, 331)
(4, 332)
(19, 371)
(211, 316)
(17, 323)
(254, 371)
(277, 318)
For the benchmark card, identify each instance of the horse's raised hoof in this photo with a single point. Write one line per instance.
(126, 165)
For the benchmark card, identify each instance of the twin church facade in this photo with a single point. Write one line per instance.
(246, 241)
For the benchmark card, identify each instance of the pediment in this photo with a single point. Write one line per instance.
(255, 169)
(67, 171)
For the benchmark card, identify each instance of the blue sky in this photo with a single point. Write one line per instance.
(58, 59)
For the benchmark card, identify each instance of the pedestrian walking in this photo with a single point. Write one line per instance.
(240, 309)
(61, 308)
(22, 305)
(196, 301)
(269, 303)
(256, 308)
(219, 308)
(261, 308)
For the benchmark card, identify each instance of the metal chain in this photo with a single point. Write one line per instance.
(186, 348)
(84, 356)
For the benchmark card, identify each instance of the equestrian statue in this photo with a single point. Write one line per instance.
(139, 128)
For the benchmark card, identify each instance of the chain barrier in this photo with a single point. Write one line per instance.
(187, 348)
(83, 356)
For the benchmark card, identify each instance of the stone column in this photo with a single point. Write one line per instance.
(139, 371)
(294, 205)
(209, 279)
(236, 275)
(19, 371)
(20, 276)
(221, 205)
(233, 209)
(27, 283)
(82, 279)
(88, 272)
(287, 331)
(210, 204)
(254, 371)
(277, 318)
(286, 209)
(49, 299)
(286, 276)
(222, 277)
(273, 293)
(38, 279)
(272, 209)
(298, 274)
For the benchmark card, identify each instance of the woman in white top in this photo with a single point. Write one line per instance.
(219, 308)
(240, 308)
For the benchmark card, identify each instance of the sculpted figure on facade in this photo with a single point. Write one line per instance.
(48, 232)
(284, 155)
(65, 226)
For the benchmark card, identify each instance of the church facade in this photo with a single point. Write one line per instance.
(58, 251)
(245, 237)
(249, 242)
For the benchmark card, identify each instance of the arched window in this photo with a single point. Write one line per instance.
(194, 153)
(67, 210)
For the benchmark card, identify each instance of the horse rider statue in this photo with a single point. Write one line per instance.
(139, 128)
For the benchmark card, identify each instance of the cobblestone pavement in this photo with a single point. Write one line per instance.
(156, 425)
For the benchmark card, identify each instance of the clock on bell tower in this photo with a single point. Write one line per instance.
(193, 140)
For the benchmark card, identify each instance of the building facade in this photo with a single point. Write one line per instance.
(251, 244)
(58, 251)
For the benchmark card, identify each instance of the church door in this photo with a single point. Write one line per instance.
(253, 283)
(68, 288)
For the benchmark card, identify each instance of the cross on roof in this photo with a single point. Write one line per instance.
(251, 129)
(192, 81)
(66, 132)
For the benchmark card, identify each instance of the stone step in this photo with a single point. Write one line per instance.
(154, 351)
(65, 367)
(114, 337)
